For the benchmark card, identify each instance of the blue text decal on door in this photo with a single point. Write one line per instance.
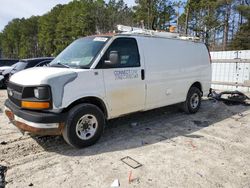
(126, 74)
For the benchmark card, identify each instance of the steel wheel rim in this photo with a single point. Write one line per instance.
(86, 127)
(194, 100)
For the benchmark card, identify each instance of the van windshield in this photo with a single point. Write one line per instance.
(80, 53)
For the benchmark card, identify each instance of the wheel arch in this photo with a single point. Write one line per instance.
(198, 85)
(90, 100)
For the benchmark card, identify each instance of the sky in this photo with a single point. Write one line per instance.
(10, 9)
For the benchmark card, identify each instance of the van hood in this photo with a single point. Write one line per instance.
(56, 78)
(41, 75)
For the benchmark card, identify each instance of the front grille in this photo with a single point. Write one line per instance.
(15, 93)
(15, 87)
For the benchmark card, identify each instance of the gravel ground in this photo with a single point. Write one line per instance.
(208, 149)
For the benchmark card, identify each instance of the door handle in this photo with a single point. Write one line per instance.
(142, 74)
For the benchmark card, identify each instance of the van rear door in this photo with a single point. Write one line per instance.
(124, 81)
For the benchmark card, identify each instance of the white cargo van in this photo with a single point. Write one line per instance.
(98, 78)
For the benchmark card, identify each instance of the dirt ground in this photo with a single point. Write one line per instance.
(208, 149)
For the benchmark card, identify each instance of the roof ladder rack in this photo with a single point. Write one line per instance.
(136, 30)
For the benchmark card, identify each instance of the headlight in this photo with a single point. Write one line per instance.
(42, 93)
(36, 93)
(36, 97)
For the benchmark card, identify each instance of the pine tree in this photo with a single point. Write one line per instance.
(47, 31)
(241, 40)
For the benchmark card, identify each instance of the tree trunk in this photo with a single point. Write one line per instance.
(226, 25)
(187, 16)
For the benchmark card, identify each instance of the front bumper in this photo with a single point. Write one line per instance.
(41, 123)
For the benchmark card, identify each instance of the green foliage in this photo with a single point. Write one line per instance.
(203, 16)
(117, 13)
(241, 40)
(217, 21)
(47, 31)
(11, 38)
(19, 38)
(28, 38)
(160, 11)
(49, 34)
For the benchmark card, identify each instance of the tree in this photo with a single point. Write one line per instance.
(74, 21)
(148, 11)
(165, 14)
(1, 39)
(201, 18)
(47, 32)
(241, 40)
(29, 38)
(19, 38)
(225, 9)
(217, 22)
(117, 12)
(11, 37)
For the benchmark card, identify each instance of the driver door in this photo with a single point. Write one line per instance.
(124, 81)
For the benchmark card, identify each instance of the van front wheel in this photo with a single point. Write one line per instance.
(193, 101)
(84, 125)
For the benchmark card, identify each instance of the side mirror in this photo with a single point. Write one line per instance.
(113, 58)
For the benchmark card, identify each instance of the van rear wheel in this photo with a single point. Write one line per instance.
(193, 101)
(84, 126)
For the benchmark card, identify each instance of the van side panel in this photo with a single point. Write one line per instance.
(171, 67)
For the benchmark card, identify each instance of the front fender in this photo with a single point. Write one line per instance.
(83, 97)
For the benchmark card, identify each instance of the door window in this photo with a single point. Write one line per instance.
(128, 54)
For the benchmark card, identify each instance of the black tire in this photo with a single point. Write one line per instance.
(187, 105)
(70, 133)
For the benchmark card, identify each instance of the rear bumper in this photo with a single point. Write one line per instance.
(35, 122)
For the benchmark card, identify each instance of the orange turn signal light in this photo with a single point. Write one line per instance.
(35, 105)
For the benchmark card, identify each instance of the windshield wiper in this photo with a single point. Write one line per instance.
(58, 64)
